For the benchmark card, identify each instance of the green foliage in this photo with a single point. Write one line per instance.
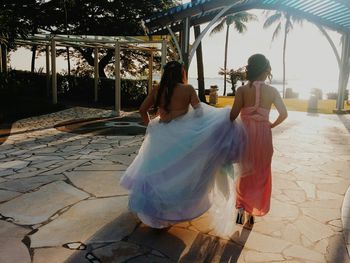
(81, 89)
(281, 18)
(133, 92)
(15, 20)
(25, 94)
(103, 17)
(239, 21)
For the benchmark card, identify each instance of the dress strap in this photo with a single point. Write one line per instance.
(257, 85)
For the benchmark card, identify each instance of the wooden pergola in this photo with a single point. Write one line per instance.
(95, 42)
(332, 14)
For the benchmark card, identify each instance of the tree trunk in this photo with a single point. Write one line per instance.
(87, 55)
(200, 68)
(225, 59)
(4, 58)
(284, 59)
(66, 27)
(68, 61)
(32, 68)
(104, 62)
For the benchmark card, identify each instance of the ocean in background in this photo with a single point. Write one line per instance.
(302, 87)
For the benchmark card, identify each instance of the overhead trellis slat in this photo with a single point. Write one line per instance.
(303, 5)
(342, 18)
(319, 8)
(313, 8)
(329, 11)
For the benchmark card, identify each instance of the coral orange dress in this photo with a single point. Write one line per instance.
(253, 187)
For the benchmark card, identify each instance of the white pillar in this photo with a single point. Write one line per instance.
(343, 71)
(117, 79)
(96, 75)
(53, 69)
(150, 72)
(173, 36)
(48, 77)
(163, 59)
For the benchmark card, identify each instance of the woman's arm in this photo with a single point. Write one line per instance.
(194, 100)
(281, 108)
(195, 103)
(237, 105)
(146, 105)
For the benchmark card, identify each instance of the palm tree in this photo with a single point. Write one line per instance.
(286, 20)
(238, 20)
(66, 30)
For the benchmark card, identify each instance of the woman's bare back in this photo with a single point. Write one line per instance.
(183, 96)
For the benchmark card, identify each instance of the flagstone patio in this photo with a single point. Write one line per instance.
(60, 200)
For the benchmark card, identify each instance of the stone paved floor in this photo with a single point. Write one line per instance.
(60, 200)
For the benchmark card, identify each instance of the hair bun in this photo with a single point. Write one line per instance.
(257, 64)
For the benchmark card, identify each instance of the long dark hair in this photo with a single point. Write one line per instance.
(257, 64)
(172, 75)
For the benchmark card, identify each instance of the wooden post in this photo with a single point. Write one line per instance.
(117, 79)
(96, 76)
(53, 69)
(48, 77)
(0, 58)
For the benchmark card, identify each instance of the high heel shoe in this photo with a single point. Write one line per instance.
(250, 222)
(240, 216)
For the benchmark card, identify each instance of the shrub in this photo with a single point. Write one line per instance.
(334, 95)
(290, 94)
(23, 93)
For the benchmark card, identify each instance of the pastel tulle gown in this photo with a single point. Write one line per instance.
(253, 189)
(172, 177)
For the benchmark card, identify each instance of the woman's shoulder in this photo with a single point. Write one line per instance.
(243, 87)
(271, 88)
(186, 87)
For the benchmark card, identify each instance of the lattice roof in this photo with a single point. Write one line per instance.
(333, 14)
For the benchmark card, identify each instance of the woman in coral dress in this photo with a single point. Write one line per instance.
(188, 148)
(253, 101)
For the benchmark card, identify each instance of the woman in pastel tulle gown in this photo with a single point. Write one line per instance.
(253, 101)
(185, 148)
